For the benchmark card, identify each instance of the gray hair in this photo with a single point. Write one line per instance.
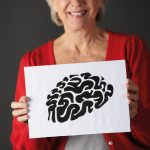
(56, 19)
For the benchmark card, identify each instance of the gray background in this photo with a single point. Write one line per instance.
(26, 24)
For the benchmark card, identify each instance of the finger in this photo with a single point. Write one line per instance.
(23, 99)
(22, 118)
(133, 108)
(133, 97)
(133, 89)
(131, 83)
(133, 105)
(17, 105)
(133, 113)
(19, 112)
(131, 86)
(21, 104)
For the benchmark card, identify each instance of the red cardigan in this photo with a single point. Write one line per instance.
(120, 46)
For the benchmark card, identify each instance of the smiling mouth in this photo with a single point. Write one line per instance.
(78, 13)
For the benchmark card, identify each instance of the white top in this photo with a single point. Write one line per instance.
(88, 142)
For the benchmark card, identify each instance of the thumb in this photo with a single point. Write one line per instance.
(23, 99)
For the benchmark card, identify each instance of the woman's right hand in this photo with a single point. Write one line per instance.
(20, 109)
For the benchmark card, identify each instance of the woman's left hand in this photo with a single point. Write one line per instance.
(133, 96)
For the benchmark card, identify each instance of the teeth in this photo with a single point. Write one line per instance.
(77, 13)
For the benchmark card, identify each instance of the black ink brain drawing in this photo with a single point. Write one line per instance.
(76, 95)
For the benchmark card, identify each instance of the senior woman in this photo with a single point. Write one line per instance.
(84, 41)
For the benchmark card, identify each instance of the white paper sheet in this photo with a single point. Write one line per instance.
(93, 101)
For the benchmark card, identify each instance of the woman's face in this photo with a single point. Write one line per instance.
(77, 14)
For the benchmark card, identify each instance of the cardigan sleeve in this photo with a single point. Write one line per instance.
(19, 135)
(139, 62)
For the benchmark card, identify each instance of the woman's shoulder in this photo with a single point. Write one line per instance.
(126, 37)
(39, 55)
(43, 49)
(132, 40)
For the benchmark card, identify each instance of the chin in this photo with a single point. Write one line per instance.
(77, 26)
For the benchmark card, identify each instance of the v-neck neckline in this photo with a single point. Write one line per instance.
(52, 56)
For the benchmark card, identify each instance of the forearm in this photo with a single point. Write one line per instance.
(140, 127)
(20, 139)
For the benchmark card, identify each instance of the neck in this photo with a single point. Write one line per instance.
(82, 40)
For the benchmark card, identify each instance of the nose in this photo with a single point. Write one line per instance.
(76, 2)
